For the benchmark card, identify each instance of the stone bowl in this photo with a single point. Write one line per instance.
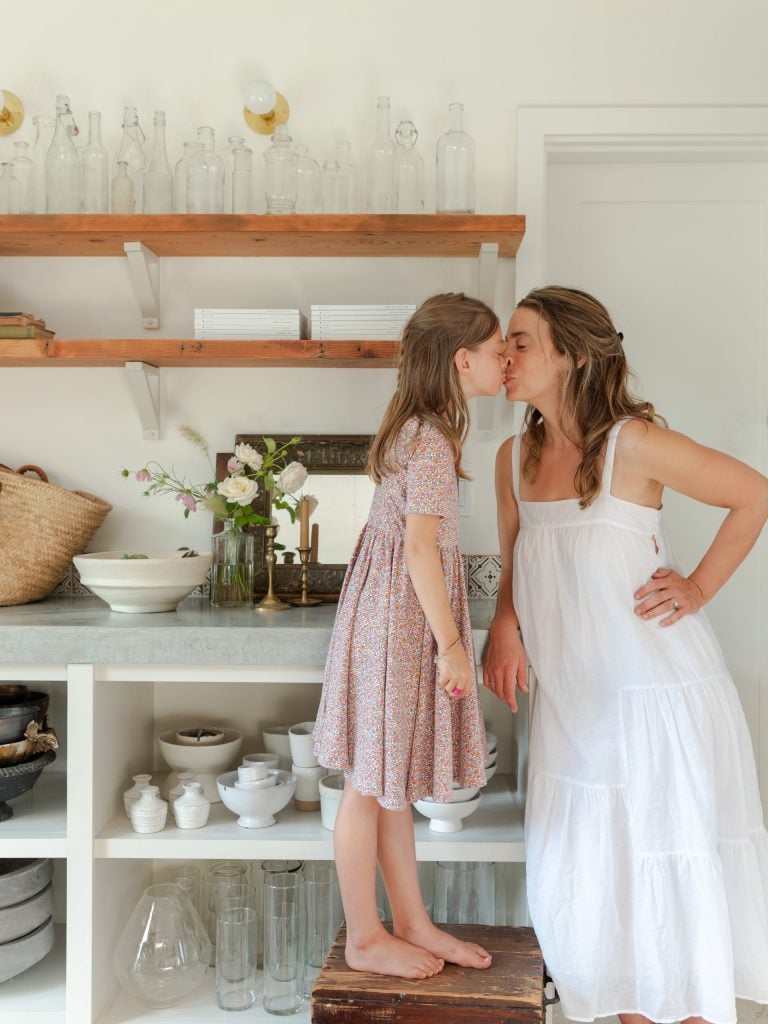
(18, 710)
(20, 879)
(18, 778)
(256, 807)
(447, 817)
(23, 918)
(205, 760)
(153, 584)
(22, 953)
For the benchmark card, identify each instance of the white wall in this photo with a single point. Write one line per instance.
(331, 60)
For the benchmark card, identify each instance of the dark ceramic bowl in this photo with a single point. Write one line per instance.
(18, 778)
(17, 712)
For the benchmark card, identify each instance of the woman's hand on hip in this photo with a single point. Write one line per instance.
(668, 593)
(455, 673)
(505, 665)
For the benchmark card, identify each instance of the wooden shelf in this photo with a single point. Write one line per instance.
(181, 352)
(261, 235)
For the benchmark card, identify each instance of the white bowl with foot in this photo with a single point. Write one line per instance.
(205, 760)
(256, 806)
(447, 817)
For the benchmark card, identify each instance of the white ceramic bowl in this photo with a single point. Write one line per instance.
(461, 793)
(276, 742)
(206, 760)
(331, 791)
(490, 771)
(153, 584)
(256, 807)
(491, 742)
(492, 758)
(20, 954)
(447, 817)
(270, 760)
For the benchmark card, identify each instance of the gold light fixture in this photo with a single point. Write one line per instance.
(12, 114)
(265, 108)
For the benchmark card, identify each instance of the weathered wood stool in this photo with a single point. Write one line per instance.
(511, 990)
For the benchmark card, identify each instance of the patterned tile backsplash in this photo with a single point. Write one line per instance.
(481, 571)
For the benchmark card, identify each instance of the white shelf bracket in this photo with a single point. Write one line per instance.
(144, 381)
(487, 267)
(144, 267)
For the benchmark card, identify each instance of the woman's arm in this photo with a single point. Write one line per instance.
(709, 476)
(504, 660)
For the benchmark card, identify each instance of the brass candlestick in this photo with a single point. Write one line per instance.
(305, 601)
(271, 602)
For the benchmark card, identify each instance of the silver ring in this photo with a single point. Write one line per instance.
(675, 603)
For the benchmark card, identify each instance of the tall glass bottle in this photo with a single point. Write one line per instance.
(5, 188)
(242, 180)
(131, 153)
(409, 170)
(307, 182)
(123, 196)
(348, 169)
(158, 178)
(63, 175)
(205, 176)
(44, 130)
(381, 196)
(333, 188)
(180, 177)
(228, 156)
(22, 186)
(281, 185)
(455, 166)
(95, 161)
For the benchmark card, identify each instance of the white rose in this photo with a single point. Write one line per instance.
(292, 478)
(239, 489)
(247, 453)
(312, 502)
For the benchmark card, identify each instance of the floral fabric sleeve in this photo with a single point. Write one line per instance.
(431, 486)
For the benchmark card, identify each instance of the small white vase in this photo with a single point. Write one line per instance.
(177, 790)
(130, 796)
(192, 808)
(149, 812)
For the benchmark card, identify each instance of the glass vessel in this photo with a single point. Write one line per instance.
(123, 195)
(163, 952)
(232, 566)
(321, 923)
(131, 152)
(191, 881)
(284, 943)
(95, 162)
(348, 169)
(333, 188)
(180, 177)
(281, 184)
(465, 892)
(381, 195)
(158, 178)
(63, 175)
(205, 178)
(5, 188)
(44, 131)
(242, 180)
(455, 166)
(221, 872)
(307, 182)
(236, 958)
(409, 170)
(21, 197)
(228, 156)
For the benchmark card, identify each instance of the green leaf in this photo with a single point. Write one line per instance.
(270, 444)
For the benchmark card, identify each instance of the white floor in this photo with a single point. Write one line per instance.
(749, 1013)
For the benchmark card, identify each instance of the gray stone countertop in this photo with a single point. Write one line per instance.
(82, 630)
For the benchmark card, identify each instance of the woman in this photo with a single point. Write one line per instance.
(647, 857)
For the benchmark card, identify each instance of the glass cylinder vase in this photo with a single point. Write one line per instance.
(465, 892)
(232, 567)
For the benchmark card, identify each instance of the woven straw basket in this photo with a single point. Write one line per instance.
(41, 527)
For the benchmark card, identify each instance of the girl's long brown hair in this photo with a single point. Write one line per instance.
(428, 381)
(594, 395)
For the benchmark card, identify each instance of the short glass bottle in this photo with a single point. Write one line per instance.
(95, 161)
(242, 180)
(5, 188)
(307, 181)
(281, 184)
(455, 166)
(133, 155)
(348, 169)
(205, 176)
(123, 194)
(44, 131)
(63, 174)
(180, 177)
(21, 197)
(333, 188)
(232, 567)
(409, 170)
(158, 177)
(381, 195)
(228, 156)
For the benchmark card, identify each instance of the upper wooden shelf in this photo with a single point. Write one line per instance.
(261, 235)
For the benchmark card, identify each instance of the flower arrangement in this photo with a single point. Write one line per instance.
(248, 472)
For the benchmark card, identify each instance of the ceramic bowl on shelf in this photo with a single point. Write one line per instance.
(491, 742)
(18, 710)
(20, 954)
(447, 817)
(23, 918)
(16, 779)
(20, 879)
(461, 793)
(270, 760)
(490, 771)
(205, 760)
(155, 583)
(492, 758)
(276, 742)
(256, 807)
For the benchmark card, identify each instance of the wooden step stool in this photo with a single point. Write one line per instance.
(511, 990)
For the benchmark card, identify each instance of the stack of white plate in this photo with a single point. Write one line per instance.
(250, 324)
(359, 323)
(26, 914)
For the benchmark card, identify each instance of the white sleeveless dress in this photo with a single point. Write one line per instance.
(647, 856)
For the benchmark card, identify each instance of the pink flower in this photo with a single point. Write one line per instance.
(234, 465)
(187, 501)
(143, 475)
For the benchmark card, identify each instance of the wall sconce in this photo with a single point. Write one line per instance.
(265, 108)
(12, 113)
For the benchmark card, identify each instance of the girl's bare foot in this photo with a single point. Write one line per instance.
(445, 946)
(385, 954)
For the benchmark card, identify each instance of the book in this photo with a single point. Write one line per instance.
(8, 319)
(21, 331)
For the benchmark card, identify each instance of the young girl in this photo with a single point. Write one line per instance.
(399, 713)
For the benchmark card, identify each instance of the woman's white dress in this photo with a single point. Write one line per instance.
(647, 856)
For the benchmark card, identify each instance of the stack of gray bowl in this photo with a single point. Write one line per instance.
(20, 763)
(26, 914)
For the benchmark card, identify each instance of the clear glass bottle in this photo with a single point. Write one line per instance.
(307, 181)
(205, 176)
(232, 567)
(333, 188)
(95, 161)
(409, 170)
(180, 177)
(348, 169)
(242, 180)
(455, 166)
(228, 156)
(22, 186)
(123, 195)
(131, 152)
(158, 177)
(63, 174)
(381, 196)
(44, 131)
(281, 184)
(5, 188)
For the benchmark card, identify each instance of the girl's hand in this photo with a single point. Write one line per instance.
(505, 665)
(455, 673)
(668, 591)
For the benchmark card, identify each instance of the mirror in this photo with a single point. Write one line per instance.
(337, 478)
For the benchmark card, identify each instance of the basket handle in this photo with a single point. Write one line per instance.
(30, 468)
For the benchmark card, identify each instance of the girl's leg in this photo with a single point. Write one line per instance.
(397, 859)
(369, 947)
(634, 1018)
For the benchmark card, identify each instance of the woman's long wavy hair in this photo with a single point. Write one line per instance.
(595, 394)
(428, 384)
